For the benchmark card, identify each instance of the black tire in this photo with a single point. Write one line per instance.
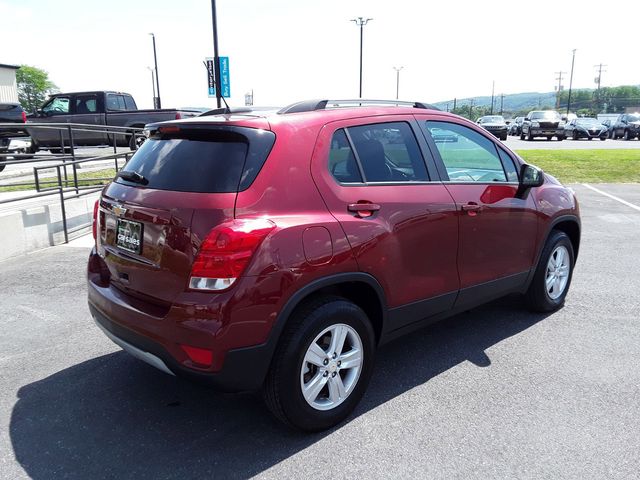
(603, 138)
(282, 390)
(530, 137)
(521, 136)
(561, 138)
(537, 297)
(2, 165)
(549, 138)
(575, 135)
(626, 135)
(503, 137)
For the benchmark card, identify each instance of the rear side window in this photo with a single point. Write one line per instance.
(342, 162)
(382, 152)
(201, 160)
(115, 102)
(129, 103)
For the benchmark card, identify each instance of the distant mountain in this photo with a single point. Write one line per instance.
(511, 103)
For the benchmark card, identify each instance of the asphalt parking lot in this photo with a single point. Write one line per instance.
(496, 392)
(514, 143)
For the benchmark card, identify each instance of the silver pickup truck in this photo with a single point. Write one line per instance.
(113, 109)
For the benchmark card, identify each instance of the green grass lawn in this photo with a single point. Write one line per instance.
(96, 177)
(575, 166)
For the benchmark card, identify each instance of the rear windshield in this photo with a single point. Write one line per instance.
(201, 160)
(5, 107)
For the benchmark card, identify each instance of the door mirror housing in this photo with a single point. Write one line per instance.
(530, 176)
(527, 119)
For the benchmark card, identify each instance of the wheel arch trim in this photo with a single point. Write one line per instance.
(554, 222)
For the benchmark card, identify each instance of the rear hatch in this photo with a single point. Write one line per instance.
(181, 183)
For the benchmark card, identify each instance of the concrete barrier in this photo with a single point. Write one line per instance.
(26, 228)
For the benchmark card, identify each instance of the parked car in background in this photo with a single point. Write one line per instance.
(108, 108)
(627, 126)
(10, 113)
(585, 127)
(542, 123)
(494, 124)
(516, 126)
(609, 123)
(277, 251)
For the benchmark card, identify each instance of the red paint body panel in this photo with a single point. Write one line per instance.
(500, 238)
(418, 245)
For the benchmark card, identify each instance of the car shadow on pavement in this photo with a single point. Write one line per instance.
(115, 417)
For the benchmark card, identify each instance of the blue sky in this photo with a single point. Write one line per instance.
(288, 50)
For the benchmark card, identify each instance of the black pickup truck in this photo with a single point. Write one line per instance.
(114, 109)
(10, 113)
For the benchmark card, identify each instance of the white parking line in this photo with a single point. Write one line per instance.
(613, 197)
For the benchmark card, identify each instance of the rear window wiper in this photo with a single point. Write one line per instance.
(134, 177)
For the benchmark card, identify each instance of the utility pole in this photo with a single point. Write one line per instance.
(493, 88)
(560, 87)
(455, 104)
(573, 61)
(471, 109)
(501, 103)
(361, 22)
(598, 80)
(397, 69)
(216, 57)
(156, 104)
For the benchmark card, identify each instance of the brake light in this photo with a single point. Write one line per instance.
(24, 117)
(226, 252)
(178, 115)
(170, 129)
(94, 226)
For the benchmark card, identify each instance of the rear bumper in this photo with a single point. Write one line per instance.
(244, 368)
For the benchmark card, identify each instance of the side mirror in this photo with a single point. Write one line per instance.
(530, 176)
(39, 112)
(527, 119)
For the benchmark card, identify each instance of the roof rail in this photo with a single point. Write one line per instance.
(312, 105)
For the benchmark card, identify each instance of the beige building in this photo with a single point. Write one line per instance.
(8, 87)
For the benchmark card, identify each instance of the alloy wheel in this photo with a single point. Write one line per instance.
(331, 367)
(558, 269)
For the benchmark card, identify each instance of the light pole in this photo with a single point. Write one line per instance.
(361, 22)
(216, 58)
(397, 69)
(573, 60)
(153, 85)
(493, 89)
(156, 104)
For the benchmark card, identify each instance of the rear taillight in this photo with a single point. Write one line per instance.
(178, 115)
(226, 252)
(94, 226)
(24, 117)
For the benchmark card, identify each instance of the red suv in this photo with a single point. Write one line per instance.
(278, 250)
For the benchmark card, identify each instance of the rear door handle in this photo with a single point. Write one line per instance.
(363, 209)
(471, 208)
